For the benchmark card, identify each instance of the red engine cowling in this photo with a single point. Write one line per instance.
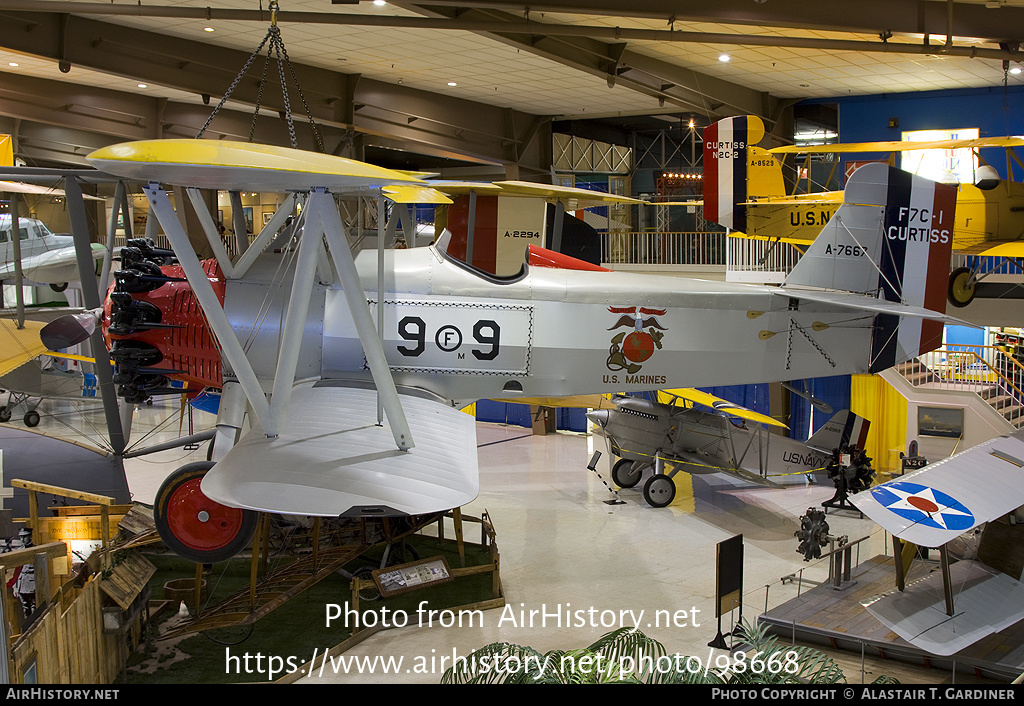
(155, 329)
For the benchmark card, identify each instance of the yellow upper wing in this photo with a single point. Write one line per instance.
(237, 166)
(718, 404)
(901, 146)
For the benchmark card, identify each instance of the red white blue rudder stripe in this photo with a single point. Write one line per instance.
(892, 238)
(725, 168)
(915, 263)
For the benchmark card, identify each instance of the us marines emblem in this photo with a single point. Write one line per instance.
(631, 348)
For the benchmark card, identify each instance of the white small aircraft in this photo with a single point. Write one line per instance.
(407, 337)
(46, 258)
(982, 487)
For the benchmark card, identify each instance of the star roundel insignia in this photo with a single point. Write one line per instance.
(923, 505)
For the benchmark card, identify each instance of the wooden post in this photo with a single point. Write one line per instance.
(265, 549)
(105, 530)
(355, 603)
(254, 559)
(199, 588)
(457, 517)
(33, 509)
(316, 539)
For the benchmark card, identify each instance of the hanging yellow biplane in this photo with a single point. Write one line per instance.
(754, 201)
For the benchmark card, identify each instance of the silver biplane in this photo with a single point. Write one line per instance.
(351, 370)
(694, 432)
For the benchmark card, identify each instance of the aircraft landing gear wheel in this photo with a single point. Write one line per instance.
(195, 527)
(370, 593)
(31, 418)
(5, 414)
(59, 287)
(961, 287)
(624, 474)
(659, 491)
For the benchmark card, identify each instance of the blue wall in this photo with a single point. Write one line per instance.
(995, 111)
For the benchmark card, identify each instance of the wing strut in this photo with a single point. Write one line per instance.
(321, 210)
(210, 304)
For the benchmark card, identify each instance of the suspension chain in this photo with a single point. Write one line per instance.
(277, 49)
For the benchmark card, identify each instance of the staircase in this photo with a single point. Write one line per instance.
(997, 379)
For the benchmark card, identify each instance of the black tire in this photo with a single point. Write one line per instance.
(402, 553)
(624, 475)
(5, 414)
(59, 287)
(32, 418)
(195, 527)
(659, 491)
(961, 288)
(371, 593)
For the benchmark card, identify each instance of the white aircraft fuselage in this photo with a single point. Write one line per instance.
(45, 257)
(550, 332)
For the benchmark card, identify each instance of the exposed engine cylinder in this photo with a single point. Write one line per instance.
(154, 328)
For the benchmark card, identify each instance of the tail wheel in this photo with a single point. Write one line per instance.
(961, 286)
(195, 527)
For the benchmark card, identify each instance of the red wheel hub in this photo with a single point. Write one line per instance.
(198, 522)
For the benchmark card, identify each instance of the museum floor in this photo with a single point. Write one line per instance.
(564, 548)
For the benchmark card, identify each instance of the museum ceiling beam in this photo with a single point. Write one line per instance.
(674, 85)
(52, 117)
(998, 24)
(444, 126)
(949, 41)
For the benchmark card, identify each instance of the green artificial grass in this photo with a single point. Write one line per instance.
(285, 639)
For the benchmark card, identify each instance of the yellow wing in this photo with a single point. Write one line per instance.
(718, 404)
(574, 198)
(237, 166)
(584, 401)
(900, 146)
(18, 346)
(1014, 249)
(414, 194)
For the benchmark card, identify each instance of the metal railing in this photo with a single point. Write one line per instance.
(750, 256)
(990, 371)
(663, 248)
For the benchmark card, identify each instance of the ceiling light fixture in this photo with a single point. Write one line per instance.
(142, 85)
(724, 57)
(379, 3)
(452, 83)
(12, 63)
(1014, 70)
(208, 29)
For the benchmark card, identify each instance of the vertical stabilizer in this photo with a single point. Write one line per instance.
(843, 429)
(892, 238)
(727, 150)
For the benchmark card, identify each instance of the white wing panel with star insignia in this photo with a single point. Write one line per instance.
(945, 499)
